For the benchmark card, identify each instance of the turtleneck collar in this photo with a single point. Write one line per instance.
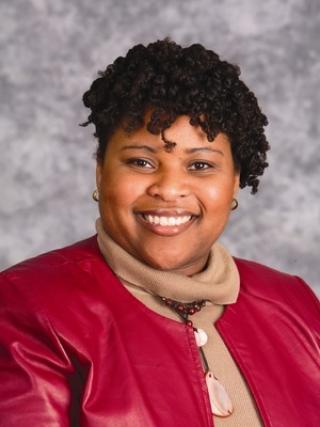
(219, 282)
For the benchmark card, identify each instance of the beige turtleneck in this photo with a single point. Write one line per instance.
(218, 284)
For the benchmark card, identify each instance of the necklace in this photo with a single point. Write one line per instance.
(220, 402)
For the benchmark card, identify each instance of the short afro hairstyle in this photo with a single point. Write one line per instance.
(171, 81)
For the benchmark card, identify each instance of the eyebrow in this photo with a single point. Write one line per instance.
(140, 147)
(187, 150)
(196, 149)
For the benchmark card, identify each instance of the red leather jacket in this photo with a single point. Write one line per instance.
(76, 348)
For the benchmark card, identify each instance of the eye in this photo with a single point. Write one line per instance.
(199, 166)
(140, 163)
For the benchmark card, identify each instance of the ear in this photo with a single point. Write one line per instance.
(236, 186)
(98, 175)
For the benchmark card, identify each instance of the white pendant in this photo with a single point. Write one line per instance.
(201, 337)
(220, 402)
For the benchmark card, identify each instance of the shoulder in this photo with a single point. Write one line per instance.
(252, 270)
(52, 274)
(76, 252)
(58, 258)
(263, 282)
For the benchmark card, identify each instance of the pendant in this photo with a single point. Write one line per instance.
(200, 336)
(220, 402)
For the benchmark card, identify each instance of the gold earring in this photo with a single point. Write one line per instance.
(95, 196)
(234, 205)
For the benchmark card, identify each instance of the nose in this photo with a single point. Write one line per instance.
(169, 186)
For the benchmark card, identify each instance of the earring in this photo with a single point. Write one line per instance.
(234, 205)
(95, 196)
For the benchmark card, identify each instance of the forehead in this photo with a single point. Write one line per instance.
(186, 137)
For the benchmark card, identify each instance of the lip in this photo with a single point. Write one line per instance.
(165, 230)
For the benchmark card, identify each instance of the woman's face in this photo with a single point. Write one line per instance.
(167, 208)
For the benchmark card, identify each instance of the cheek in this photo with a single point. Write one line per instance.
(217, 197)
(121, 191)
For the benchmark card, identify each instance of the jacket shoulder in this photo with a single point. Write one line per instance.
(52, 275)
(268, 283)
(252, 269)
(77, 252)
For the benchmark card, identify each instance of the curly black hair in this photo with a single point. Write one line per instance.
(171, 81)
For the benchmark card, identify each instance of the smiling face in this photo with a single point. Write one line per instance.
(167, 208)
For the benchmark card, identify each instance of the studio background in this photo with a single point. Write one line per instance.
(51, 52)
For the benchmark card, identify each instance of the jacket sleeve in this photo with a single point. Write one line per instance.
(35, 371)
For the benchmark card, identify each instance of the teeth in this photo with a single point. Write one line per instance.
(164, 220)
(167, 220)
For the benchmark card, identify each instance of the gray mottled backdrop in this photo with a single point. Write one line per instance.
(51, 51)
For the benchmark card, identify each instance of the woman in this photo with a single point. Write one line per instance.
(152, 322)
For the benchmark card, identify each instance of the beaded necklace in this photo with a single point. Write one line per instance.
(220, 402)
